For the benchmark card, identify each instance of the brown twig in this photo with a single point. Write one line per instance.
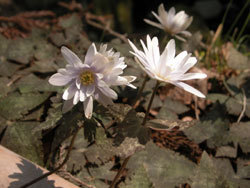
(73, 5)
(26, 21)
(70, 177)
(120, 172)
(60, 166)
(196, 108)
(101, 23)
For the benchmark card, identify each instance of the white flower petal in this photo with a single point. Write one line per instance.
(69, 92)
(83, 94)
(90, 89)
(190, 63)
(191, 76)
(70, 56)
(185, 33)
(67, 105)
(59, 80)
(78, 83)
(76, 97)
(180, 38)
(167, 57)
(88, 107)
(179, 65)
(169, 68)
(108, 92)
(153, 23)
(170, 17)
(188, 88)
(171, 22)
(104, 100)
(89, 58)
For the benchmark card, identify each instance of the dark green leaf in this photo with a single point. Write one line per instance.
(131, 127)
(19, 139)
(15, 105)
(7, 68)
(31, 83)
(240, 133)
(163, 166)
(4, 88)
(66, 126)
(237, 60)
(216, 173)
(212, 127)
(139, 179)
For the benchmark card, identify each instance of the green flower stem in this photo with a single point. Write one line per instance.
(60, 166)
(243, 28)
(138, 96)
(150, 102)
(237, 19)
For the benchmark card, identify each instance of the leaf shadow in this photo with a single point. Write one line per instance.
(29, 172)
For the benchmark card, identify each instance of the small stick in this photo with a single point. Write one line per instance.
(105, 28)
(244, 106)
(70, 177)
(119, 172)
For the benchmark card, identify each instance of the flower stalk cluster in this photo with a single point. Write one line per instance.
(93, 79)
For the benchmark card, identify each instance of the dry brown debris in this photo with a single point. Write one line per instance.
(24, 22)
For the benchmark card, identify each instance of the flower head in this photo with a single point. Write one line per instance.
(91, 79)
(166, 67)
(172, 23)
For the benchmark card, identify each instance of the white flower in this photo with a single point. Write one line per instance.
(91, 79)
(166, 67)
(172, 23)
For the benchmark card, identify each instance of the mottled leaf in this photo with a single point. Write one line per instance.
(163, 166)
(128, 147)
(212, 127)
(20, 50)
(66, 126)
(102, 151)
(103, 172)
(139, 179)
(132, 127)
(243, 168)
(44, 66)
(4, 88)
(237, 60)
(18, 138)
(31, 83)
(216, 173)
(54, 116)
(234, 105)
(226, 151)
(15, 105)
(240, 133)
(8, 68)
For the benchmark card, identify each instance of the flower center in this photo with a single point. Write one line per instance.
(87, 78)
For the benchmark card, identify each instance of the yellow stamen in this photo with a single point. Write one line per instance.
(87, 78)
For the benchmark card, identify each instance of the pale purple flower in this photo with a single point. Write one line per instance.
(166, 67)
(174, 24)
(90, 80)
